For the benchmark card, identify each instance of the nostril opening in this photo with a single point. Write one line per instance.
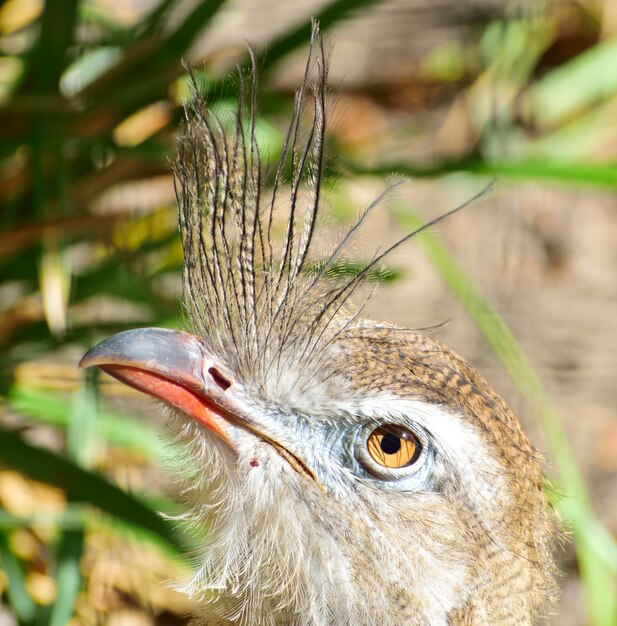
(219, 379)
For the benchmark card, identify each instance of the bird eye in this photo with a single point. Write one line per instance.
(393, 446)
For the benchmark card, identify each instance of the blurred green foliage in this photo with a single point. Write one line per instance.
(88, 104)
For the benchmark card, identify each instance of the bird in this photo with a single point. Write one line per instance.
(340, 470)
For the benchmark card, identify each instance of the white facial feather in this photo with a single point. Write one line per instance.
(455, 438)
(266, 529)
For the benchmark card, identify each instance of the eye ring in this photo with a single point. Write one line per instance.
(390, 451)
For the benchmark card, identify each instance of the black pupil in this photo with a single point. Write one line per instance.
(390, 444)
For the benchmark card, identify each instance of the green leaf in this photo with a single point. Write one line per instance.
(68, 577)
(581, 174)
(584, 81)
(82, 427)
(18, 597)
(84, 486)
(114, 428)
(49, 57)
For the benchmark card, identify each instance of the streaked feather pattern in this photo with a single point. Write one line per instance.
(248, 295)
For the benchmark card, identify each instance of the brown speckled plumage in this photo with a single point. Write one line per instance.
(512, 575)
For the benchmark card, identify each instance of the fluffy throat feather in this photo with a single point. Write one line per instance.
(264, 531)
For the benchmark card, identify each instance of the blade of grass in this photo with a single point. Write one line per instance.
(18, 597)
(49, 55)
(68, 577)
(156, 18)
(115, 428)
(179, 41)
(596, 549)
(82, 517)
(83, 422)
(110, 30)
(83, 486)
(73, 517)
(577, 174)
(148, 65)
(584, 81)
(81, 447)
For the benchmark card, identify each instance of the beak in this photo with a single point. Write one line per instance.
(177, 368)
(172, 366)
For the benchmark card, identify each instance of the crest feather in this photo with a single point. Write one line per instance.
(260, 302)
(257, 301)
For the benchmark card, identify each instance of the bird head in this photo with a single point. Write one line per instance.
(344, 471)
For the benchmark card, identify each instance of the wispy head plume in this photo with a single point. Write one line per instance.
(248, 294)
(257, 299)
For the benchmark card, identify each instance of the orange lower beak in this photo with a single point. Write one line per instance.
(168, 365)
